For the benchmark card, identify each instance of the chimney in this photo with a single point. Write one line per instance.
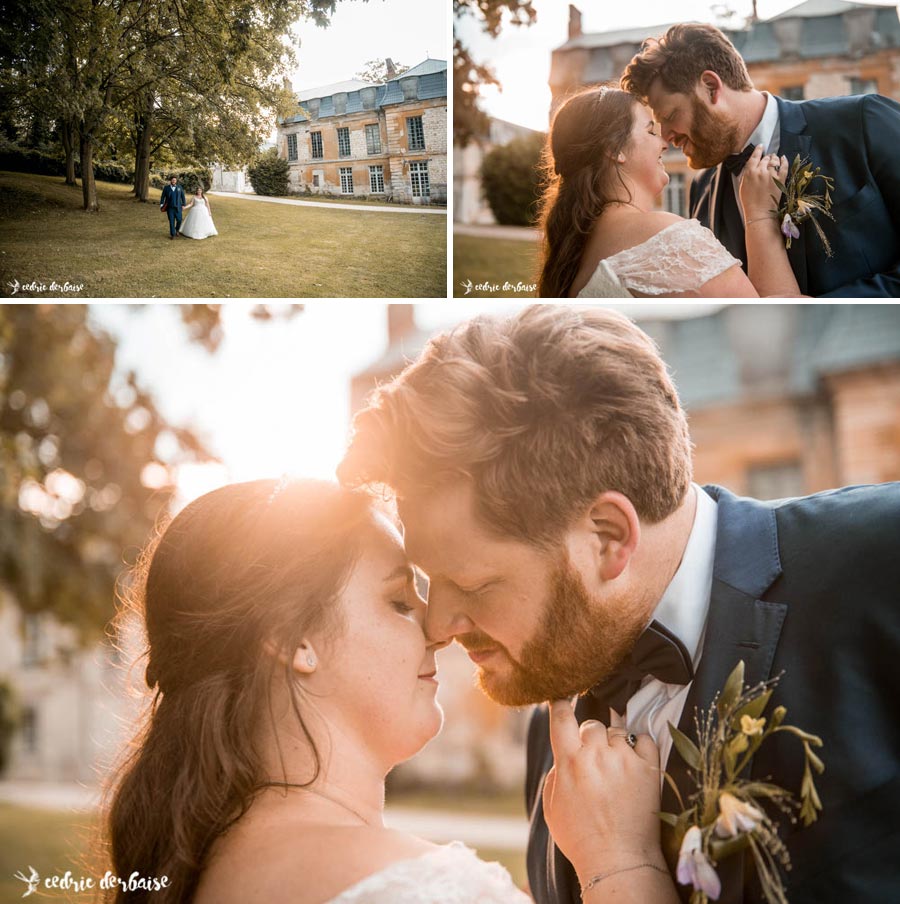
(287, 85)
(401, 321)
(391, 68)
(574, 22)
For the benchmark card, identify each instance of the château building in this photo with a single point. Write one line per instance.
(386, 140)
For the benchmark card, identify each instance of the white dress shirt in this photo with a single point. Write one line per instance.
(767, 133)
(682, 609)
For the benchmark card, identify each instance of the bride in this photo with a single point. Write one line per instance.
(290, 673)
(602, 237)
(198, 223)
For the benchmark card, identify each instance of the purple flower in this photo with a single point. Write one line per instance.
(789, 228)
(694, 867)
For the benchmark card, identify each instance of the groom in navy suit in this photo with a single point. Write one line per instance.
(172, 201)
(699, 89)
(542, 466)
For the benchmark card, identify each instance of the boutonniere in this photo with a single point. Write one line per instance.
(726, 812)
(800, 203)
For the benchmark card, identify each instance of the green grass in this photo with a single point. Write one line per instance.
(52, 842)
(506, 804)
(337, 199)
(514, 861)
(262, 250)
(495, 262)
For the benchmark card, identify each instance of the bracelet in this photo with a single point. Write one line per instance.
(757, 220)
(596, 880)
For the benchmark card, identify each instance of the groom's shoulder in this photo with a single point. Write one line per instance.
(827, 110)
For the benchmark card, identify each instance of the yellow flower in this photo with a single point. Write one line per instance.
(751, 726)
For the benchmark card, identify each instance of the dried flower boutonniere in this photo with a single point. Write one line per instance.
(726, 812)
(800, 203)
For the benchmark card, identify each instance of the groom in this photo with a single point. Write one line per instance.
(172, 201)
(701, 94)
(542, 466)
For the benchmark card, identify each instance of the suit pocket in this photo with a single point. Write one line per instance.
(855, 204)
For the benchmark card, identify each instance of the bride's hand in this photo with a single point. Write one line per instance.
(602, 797)
(758, 193)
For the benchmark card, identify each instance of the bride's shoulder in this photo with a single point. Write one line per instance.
(314, 862)
(642, 227)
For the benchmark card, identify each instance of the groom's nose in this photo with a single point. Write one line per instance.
(443, 620)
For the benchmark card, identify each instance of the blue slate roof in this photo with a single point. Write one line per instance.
(431, 84)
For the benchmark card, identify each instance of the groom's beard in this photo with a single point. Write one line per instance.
(576, 646)
(712, 138)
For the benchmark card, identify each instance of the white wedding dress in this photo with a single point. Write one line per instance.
(198, 222)
(450, 874)
(680, 258)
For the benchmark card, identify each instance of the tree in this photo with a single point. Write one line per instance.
(469, 76)
(376, 71)
(511, 178)
(269, 173)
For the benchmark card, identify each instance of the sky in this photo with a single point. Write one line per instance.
(521, 56)
(407, 31)
(274, 398)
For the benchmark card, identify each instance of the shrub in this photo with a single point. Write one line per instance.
(189, 178)
(511, 179)
(34, 160)
(10, 718)
(269, 174)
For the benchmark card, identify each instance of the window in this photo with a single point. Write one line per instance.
(793, 92)
(376, 180)
(863, 86)
(776, 481)
(343, 142)
(418, 174)
(674, 195)
(292, 147)
(373, 139)
(346, 180)
(29, 729)
(33, 641)
(315, 180)
(315, 139)
(416, 133)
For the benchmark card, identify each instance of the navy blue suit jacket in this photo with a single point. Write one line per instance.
(809, 587)
(854, 140)
(175, 196)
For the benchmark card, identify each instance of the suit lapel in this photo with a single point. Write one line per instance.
(793, 141)
(739, 626)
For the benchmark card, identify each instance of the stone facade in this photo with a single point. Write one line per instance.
(394, 146)
(820, 48)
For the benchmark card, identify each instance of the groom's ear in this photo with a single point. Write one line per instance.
(711, 86)
(616, 532)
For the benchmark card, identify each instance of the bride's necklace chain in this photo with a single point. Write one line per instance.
(321, 794)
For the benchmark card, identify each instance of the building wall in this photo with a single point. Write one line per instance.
(395, 155)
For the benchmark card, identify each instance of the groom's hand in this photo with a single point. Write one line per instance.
(601, 798)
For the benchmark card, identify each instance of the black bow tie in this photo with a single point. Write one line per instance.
(658, 652)
(735, 162)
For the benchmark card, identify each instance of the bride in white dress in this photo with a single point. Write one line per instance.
(290, 673)
(602, 235)
(198, 223)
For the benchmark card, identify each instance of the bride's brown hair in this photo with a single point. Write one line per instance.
(588, 133)
(240, 575)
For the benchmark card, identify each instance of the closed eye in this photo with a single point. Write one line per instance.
(402, 606)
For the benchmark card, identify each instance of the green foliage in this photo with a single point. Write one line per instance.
(375, 71)
(9, 721)
(511, 180)
(470, 76)
(18, 159)
(269, 173)
(75, 497)
(190, 179)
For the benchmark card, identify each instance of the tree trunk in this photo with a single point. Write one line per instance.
(88, 186)
(67, 133)
(143, 121)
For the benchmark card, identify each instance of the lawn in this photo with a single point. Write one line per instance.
(51, 842)
(262, 250)
(497, 268)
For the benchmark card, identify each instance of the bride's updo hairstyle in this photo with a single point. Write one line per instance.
(240, 576)
(587, 134)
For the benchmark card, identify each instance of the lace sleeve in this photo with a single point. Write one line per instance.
(680, 258)
(452, 874)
